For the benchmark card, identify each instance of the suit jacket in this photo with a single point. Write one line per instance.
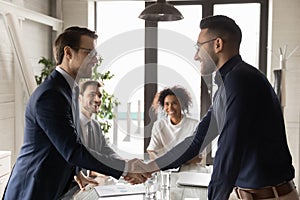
(96, 141)
(51, 148)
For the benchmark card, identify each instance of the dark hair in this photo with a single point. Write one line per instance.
(223, 27)
(180, 93)
(85, 84)
(70, 37)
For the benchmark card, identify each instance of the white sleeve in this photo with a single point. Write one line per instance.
(155, 142)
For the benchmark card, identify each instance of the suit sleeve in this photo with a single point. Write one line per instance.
(54, 116)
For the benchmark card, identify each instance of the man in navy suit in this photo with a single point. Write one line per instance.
(52, 149)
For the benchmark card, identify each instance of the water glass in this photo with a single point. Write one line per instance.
(165, 194)
(165, 179)
(151, 187)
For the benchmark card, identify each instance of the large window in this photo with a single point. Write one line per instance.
(247, 16)
(176, 65)
(122, 45)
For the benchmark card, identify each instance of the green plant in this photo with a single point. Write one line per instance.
(49, 66)
(109, 102)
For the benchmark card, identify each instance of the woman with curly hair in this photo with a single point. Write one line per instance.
(169, 131)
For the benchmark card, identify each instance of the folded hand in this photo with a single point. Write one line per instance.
(83, 180)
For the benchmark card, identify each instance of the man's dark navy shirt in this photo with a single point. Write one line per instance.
(252, 145)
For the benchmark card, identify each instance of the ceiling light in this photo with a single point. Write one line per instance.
(161, 11)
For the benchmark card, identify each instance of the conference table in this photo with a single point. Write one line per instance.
(175, 192)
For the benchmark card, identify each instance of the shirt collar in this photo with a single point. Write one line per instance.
(68, 78)
(83, 119)
(227, 67)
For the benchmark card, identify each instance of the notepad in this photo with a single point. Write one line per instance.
(194, 179)
(119, 190)
(128, 197)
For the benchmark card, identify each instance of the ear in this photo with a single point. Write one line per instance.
(68, 52)
(219, 45)
(80, 97)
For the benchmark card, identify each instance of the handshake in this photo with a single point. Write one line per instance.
(138, 171)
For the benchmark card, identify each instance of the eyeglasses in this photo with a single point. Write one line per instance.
(91, 52)
(199, 44)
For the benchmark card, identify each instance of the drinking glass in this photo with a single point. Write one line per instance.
(151, 187)
(165, 179)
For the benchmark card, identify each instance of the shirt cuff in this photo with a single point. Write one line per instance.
(125, 171)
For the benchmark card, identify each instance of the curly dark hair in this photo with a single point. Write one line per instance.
(180, 93)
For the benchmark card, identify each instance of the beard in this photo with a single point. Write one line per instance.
(85, 69)
(207, 68)
(85, 72)
(208, 61)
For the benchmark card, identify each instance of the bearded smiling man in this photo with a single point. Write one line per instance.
(253, 156)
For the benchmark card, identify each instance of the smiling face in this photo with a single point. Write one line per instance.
(205, 53)
(90, 100)
(172, 108)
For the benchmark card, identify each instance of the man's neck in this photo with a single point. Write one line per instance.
(67, 69)
(225, 58)
(86, 113)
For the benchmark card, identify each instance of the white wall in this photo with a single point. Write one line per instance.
(36, 38)
(75, 12)
(7, 97)
(286, 31)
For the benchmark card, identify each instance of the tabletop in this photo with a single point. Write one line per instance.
(175, 192)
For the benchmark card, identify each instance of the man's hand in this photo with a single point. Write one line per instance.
(137, 166)
(135, 178)
(152, 167)
(138, 171)
(83, 180)
(94, 174)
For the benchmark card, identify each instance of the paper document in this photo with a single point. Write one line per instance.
(128, 197)
(194, 179)
(118, 190)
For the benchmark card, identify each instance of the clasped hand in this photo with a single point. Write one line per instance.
(138, 171)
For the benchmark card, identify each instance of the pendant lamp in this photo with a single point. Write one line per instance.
(161, 11)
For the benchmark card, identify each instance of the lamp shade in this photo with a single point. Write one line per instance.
(161, 11)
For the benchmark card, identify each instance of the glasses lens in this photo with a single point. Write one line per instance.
(93, 53)
(197, 47)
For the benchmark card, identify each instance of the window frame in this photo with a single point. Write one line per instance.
(205, 95)
(151, 55)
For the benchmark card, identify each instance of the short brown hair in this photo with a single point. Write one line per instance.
(70, 37)
(85, 84)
